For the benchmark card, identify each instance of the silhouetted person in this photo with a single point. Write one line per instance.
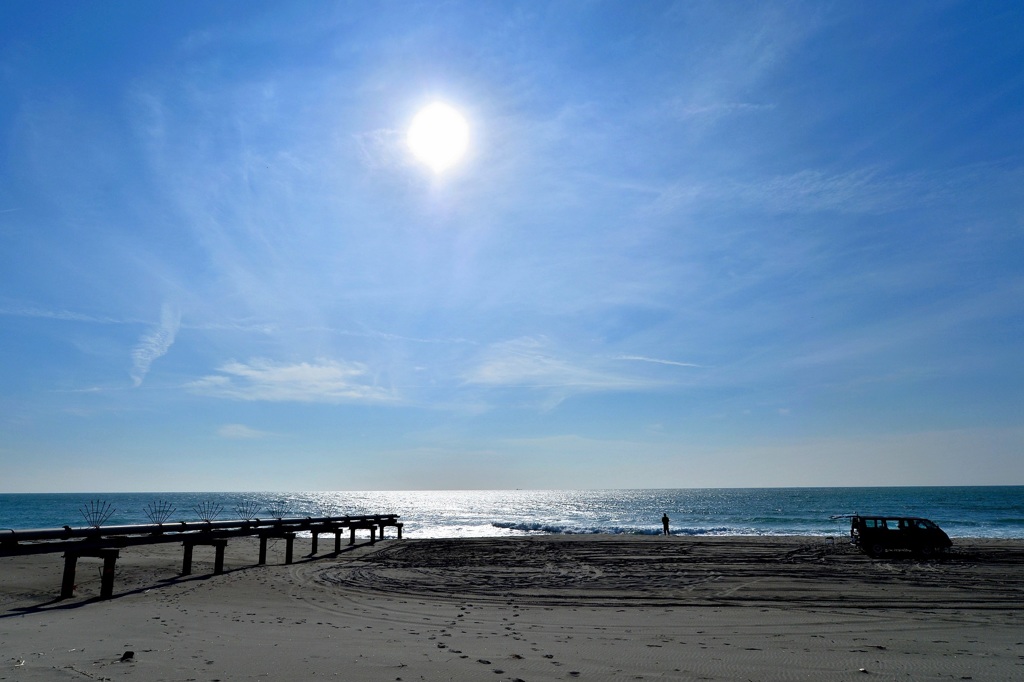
(664, 522)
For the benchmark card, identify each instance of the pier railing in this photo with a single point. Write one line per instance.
(105, 542)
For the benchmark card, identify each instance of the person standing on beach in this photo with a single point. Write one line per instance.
(664, 523)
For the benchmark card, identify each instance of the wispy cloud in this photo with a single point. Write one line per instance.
(640, 358)
(155, 343)
(387, 336)
(862, 190)
(227, 325)
(530, 363)
(382, 148)
(723, 108)
(870, 190)
(968, 310)
(241, 432)
(65, 315)
(320, 381)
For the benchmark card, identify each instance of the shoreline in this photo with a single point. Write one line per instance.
(538, 608)
(960, 511)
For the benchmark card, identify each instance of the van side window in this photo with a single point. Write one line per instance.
(892, 524)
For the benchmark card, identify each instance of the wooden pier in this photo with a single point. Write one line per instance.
(107, 542)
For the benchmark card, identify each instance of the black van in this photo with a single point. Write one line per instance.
(879, 534)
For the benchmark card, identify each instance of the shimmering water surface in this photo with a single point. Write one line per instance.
(996, 512)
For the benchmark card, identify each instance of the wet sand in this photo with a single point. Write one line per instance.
(542, 608)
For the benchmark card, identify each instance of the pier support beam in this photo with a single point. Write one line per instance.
(67, 585)
(109, 556)
(106, 543)
(218, 558)
(372, 527)
(186, 559)
(107, 581)
(289, 545)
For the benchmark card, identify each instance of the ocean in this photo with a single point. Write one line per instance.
(991, 512)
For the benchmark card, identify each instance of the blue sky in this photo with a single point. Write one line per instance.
(691, 244)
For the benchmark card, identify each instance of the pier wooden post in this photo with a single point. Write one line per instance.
(218, 557)
(289, 545)
(109, 556)
(186, 558)
(218, 545)
(67, 586)
(107, 580)
(107, 543)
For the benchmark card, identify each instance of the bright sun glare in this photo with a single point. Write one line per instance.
(438, 136)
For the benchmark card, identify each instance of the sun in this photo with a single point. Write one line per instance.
(438, 136)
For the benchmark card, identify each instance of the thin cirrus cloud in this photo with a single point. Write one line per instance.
(657, 361)
(531, 363)
(155, 343)
(723, 108)
(62, 315)
(241, 432)
(382, 148)
(322, 381)
(865, 191)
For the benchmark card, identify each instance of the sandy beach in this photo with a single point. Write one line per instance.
(540, 608)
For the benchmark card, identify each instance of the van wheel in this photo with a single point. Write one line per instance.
(877, 549)
(926, 551)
